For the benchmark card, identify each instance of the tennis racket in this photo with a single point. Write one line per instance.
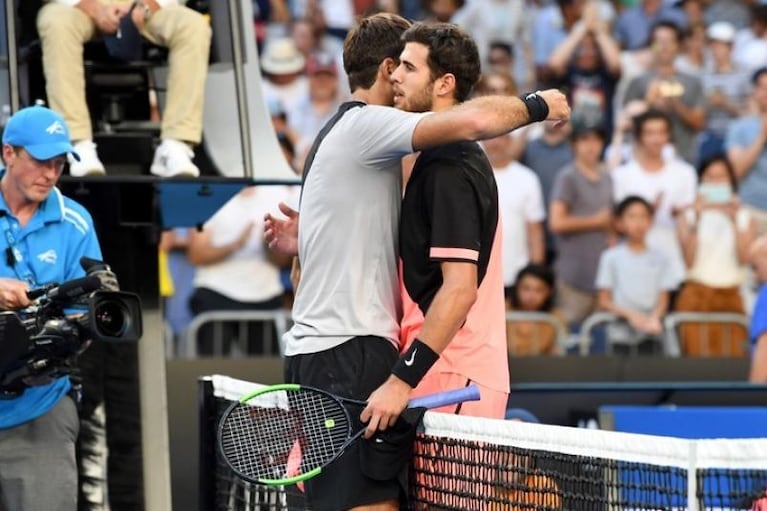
(284, 434)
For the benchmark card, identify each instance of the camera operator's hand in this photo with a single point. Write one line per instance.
(13, 294)
(108, 280)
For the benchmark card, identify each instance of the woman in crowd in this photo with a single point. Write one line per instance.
(715, 236)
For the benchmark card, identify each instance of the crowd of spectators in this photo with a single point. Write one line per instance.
(669, 115)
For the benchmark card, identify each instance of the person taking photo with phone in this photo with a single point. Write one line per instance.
(715, 235)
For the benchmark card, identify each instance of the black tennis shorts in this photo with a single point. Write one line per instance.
(354, 370)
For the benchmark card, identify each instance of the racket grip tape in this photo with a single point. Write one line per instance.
(450, 397)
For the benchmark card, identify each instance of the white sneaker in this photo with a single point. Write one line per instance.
(173, 158)
(89, 164)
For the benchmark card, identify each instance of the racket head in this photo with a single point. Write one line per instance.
(283, 434)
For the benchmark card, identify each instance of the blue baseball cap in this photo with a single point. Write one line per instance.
(40, 131)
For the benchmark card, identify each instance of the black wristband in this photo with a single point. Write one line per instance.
(537, 107)
(413, 365)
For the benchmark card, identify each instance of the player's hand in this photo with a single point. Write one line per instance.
(13, 294)
(559, 109)
(385, 405)
(281, 234)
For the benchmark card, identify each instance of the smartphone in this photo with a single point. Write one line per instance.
(716, 193)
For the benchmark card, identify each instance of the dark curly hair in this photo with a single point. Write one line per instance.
(451, 50)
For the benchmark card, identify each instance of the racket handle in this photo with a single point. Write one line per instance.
(450, 397)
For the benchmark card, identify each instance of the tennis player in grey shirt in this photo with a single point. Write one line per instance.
(347, 310)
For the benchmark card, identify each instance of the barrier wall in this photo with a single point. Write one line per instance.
(559, 401)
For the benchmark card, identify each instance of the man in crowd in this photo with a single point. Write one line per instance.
(745, 145)
(665, 88)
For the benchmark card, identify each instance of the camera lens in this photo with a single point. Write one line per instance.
(111, 319)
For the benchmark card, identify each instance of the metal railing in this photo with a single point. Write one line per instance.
(669, 343)
(562, 335)
(279, 318)
(674, 320)
(671, 322)
(585, 336)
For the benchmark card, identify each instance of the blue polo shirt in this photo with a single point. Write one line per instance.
(759, 316)
(51, 245)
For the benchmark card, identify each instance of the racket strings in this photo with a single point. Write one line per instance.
(275, 437)
(326, 428)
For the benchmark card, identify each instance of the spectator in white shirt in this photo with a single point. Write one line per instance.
(521, 207)
(716, 234)
(234, 269)
(283, 67)
(669, 184)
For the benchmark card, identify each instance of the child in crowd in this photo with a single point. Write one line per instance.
(634, 280)
(533, 291)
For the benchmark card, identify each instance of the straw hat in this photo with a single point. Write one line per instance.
(281, 57)
(721, 31)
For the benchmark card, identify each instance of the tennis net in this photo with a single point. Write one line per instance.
(465, 463)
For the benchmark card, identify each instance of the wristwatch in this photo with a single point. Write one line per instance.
(145, 10)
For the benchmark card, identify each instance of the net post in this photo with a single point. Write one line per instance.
(692, 477)
(206, 443)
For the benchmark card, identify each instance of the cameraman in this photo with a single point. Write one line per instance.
(44, 235)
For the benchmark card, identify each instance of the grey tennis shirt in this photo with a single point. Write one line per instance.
(348, 232)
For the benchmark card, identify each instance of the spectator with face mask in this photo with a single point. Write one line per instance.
(715, 235)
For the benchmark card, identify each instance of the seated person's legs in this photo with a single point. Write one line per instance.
(63, 31)
(187, 35)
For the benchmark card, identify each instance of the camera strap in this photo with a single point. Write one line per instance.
(13, 255)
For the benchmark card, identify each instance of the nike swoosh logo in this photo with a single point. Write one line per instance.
(409, 361)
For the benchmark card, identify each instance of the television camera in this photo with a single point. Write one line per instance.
(42, 342)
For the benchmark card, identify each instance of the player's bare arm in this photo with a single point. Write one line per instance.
(444, 318)
(484, 117)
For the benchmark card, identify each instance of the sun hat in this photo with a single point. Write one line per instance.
(281, 57)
